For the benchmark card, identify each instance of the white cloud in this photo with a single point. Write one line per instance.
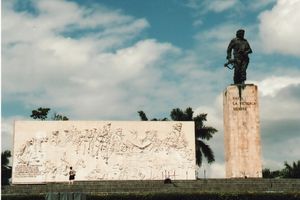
(214, 119)
(279, 28)
(7, 126)
(35, 46)
(278, 97)
(215, 170)
(273, 84)
(214, 111)
(279, 117)
(197, 22)
(97, 73)
(272, 164)
(219, 6)
(222, 32)
(202, 7)
(217, 38)
(95, 24)
(237, 8)
(259, 4)
(211, 5)
(285, 142)
(143, 54)
(214, 41)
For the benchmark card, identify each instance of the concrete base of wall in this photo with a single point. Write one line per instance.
(204, 185)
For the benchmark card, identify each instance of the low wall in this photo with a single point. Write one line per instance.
(199, 186)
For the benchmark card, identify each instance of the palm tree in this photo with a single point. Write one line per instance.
(267, 173)
(42, 114)
(5, 168)
(291, 171)
(202, 132)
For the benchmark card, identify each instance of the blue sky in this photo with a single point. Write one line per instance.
(105, 60)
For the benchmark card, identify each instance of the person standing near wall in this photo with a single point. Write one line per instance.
(72, 174)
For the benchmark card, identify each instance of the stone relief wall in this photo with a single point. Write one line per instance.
(103, 150)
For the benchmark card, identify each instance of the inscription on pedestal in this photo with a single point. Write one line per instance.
(242, 104)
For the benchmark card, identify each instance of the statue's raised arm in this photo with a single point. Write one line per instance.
(239, 48)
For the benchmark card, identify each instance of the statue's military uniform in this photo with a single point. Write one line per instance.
(241, 49)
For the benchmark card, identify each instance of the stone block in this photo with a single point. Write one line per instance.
(242, 131)
(103, 150)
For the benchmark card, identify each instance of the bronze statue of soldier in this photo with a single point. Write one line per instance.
(240, 61)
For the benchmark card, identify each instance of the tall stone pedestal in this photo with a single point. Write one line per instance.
(242, 131)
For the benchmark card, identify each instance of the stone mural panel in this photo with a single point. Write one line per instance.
(102, 150)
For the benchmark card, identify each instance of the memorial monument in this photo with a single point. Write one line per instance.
(103, 150)
(241, 116)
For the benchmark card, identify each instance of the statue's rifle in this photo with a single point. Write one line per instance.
(230, 62)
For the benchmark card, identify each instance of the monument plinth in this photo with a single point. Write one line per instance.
(242, 131)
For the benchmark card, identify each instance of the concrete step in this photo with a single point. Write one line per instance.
(207, 185)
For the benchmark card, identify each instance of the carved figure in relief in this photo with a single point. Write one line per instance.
(73, 136)
(24, 154)
(55, 140)
(50, 169)
(175, 138)
(38, 143)
(117, 141)
(100, 143)
(80, 163)
(69, 134)
(80, 143)
(99, 173)
(139, 143)
(123, 175)
(151, 136)
(188, 154)
(85, 141)
(106, 129)
(91, 138)
(64, 164)
(141, 175)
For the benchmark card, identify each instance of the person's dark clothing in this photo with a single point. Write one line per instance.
(72, 175)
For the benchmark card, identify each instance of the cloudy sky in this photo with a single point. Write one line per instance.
(105, 60)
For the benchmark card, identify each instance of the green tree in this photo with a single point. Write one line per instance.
(59, 117)
(202, 132)
(267, 173)
(143, 117)
(291, 171)
(42, 114)
(5, 168)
